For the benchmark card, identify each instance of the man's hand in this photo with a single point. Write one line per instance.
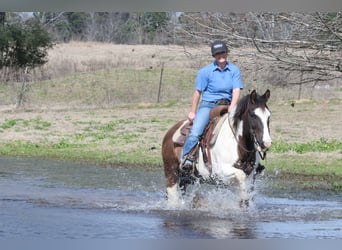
(230, 108)
(191, 116)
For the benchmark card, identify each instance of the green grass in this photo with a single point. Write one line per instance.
(59, 150)
(278, 159)
(304, 171)
(305, 164)
(36, 123)
(9, 123)
(297, 158)
(80, 152)
(323, 145)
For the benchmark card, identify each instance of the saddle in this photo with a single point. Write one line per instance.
(208, 139)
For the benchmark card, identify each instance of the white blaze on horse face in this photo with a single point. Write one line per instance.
(264, 115)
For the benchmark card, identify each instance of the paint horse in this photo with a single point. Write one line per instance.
(240, 144)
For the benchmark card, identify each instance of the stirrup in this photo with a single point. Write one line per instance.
(187, 164)
(186, 168)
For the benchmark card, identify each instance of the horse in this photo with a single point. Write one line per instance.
(242, 141)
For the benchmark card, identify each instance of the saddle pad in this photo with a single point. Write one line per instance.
(178, 137)
(217, 129)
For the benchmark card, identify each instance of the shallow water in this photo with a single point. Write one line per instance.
(63, 200)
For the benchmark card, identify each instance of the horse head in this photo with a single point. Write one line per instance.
(258, 118)
(254, 114)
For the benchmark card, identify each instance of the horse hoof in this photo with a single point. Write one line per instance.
(198, 201)
(244, 203)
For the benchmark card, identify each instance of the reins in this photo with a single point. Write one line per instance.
(261, 154)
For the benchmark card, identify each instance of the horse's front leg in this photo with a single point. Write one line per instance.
(173, 182)
(241, 178)
(173, 195)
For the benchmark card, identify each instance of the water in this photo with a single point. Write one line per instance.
(62, 200)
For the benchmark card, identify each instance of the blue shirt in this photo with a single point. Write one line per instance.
(216, 84)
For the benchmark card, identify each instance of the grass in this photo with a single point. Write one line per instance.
(129, 136)
(314, 164)
(132, 134)
(109, 87)
(37, 123)
(306, 171)
(81, 152)
(322, 145)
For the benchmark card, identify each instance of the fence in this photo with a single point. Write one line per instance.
(95, 74)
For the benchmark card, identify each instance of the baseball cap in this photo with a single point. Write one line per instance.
(217, 47)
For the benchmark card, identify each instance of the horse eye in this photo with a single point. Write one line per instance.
(253, 115)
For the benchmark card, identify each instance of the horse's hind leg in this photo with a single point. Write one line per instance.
(171, 155)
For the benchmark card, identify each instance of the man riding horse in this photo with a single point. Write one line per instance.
(238, 142)
(218, 83)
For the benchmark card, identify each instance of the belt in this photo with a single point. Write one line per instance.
(223, 101)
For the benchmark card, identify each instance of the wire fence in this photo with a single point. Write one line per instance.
(90, 74)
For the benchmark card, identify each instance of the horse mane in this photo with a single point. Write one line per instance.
(240, 110)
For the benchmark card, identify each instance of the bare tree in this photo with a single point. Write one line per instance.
(304, 48)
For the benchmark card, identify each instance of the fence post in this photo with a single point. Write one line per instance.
(160, 81)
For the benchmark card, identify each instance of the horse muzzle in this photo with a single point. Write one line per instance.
(264, 146)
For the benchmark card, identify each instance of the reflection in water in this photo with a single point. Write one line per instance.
(54, 199)
(212, 227)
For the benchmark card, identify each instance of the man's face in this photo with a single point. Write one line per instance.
(221, 57)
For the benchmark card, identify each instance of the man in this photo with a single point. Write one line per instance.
(215, 83)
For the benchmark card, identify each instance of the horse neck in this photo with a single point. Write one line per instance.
(231, 143)
(226, 142)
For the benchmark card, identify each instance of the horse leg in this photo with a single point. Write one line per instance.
(171, 170)
(185, 179)
(171, 154)
(241, 178)
(173, 195)
(176, 184)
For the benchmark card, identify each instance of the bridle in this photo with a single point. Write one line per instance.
(257, 146)
(262, 153)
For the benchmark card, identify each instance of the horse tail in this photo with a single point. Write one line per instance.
(171, 156)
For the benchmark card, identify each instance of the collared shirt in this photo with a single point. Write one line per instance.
(216, 84)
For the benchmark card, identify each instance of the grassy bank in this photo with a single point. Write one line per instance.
(298, 158)
(309, 170)
(132, 134)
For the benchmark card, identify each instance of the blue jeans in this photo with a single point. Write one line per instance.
(201, 121)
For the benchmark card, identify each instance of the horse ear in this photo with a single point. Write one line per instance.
(252, 96)
(267, 95)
